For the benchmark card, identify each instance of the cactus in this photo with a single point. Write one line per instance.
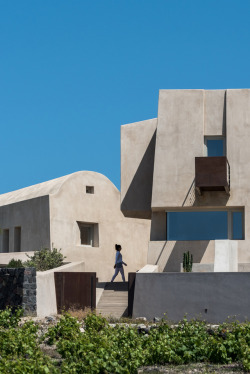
(187, 262)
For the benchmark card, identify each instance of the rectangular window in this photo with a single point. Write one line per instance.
(6, 240)
(215, 146)
(237, 225)
(17, 239)
(205, 225)
(89, 234)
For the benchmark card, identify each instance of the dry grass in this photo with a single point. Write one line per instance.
(80, 314)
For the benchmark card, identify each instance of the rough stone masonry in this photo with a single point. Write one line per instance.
(18, 289)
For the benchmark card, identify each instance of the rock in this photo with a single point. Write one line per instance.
(142, 329)
(153, 327)
(141, 319)
(141, 326)
(82, 329)
(50, 319)
(157, 319)
(112, 324)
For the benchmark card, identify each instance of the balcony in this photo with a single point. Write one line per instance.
(212, 174)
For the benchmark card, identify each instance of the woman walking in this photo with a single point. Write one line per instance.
(118, 263)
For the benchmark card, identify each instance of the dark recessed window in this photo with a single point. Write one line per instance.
(17, 239)
(89, 234)
(6, 240)
(90, 189)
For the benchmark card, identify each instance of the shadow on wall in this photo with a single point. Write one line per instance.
(137, 201)
(207, 198)
(171, 255)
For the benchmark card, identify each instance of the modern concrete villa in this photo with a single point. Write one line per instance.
(79, 214)
(188, 171)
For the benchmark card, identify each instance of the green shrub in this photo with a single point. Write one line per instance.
(15, 264)
(67, 328)
(10, 317)
(19, 348)
(45, 259)
(121, 350)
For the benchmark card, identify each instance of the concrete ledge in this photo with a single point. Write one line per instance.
(210, 296)
(201, 268)
(244, 267)
(149, 269)
(6, 257)
(46, 293)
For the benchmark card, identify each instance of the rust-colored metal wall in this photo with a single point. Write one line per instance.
(75, 290)
(211, 173)
(131, 291)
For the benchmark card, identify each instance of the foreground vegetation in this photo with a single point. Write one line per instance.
(121, 349)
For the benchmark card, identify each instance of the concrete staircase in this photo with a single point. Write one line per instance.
(114, 300)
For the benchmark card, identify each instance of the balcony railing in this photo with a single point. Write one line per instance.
(212, 174)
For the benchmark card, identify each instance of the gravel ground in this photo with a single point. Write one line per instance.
(193, 368)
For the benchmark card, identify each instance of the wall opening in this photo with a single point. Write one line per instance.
(205, 225)
(90, 189)
(215, 146)
(6, 241)
(89, 234)
(17, 239)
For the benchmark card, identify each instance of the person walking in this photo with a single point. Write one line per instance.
(118, 263)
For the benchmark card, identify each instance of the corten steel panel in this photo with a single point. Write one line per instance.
(75, 290)
(131, 291)
(211, 173)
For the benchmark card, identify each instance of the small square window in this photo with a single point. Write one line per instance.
(215, 146)
(90, 189)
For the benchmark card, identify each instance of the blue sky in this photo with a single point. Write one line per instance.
(72, 72)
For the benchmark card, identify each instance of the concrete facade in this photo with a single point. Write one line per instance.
(208, 296)
(171, 142)
(53, 213)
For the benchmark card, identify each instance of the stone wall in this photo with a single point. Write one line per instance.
(18, 289)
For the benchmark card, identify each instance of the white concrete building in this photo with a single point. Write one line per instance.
(188, 170)
(79, 213)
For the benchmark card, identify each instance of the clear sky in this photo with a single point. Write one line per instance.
(72, 72)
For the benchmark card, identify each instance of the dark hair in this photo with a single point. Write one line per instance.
(118, 247)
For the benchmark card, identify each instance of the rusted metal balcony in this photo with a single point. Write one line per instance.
(212, 174)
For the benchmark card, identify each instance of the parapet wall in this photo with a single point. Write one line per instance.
(18, 289)
(210, 296)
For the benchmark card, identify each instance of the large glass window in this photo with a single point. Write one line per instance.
(206, 225)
